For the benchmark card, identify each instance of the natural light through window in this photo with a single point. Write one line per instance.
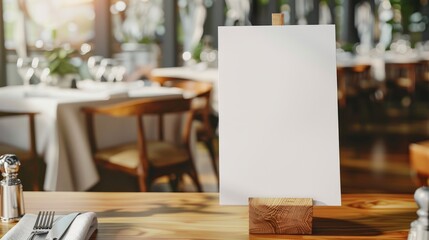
(48, 22)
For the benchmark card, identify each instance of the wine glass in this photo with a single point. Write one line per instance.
(94, 65)
(119, 71)
(41, 69)
(25, 69)
(106, 70)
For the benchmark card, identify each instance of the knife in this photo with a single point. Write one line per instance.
(61, 226)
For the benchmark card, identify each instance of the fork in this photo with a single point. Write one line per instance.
(43, 223)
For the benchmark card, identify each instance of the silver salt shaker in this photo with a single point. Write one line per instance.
(12, 202)
(420, 227)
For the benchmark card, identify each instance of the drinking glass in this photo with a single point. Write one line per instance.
(93, 66)
(119, 71)
(106, 70)
(25, 69)
(41, 69)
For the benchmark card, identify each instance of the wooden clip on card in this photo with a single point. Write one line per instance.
(277, 19)
(280, 216)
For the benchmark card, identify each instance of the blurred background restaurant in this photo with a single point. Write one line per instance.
(382, 68)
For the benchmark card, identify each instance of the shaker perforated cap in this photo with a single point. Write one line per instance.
(9, 164)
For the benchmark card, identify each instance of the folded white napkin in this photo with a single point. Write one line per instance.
(82, 227)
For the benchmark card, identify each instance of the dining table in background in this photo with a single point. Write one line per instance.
(344, 60)
(391, 68)
(378, 61)
(199, 216)
(193, 73)
(60, 126)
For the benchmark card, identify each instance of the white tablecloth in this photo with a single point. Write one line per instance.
(60, 128)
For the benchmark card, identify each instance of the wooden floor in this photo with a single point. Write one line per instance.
(375, 159)
(374, 148)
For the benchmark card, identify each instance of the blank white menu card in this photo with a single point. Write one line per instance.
(278, 118)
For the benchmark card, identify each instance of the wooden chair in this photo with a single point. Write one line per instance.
(423, 71)
(419, 161)
(201, 93)
(147, 160)
(401, 76)
(422, 80)
(25, 156)
(353, 81)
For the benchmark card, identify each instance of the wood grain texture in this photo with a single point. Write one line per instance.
(280, 215)
(199, 216)
(277, 19)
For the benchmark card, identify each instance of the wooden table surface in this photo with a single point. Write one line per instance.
(199, 216)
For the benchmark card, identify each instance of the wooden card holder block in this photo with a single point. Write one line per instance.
(280, 216)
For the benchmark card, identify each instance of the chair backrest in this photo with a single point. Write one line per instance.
(423, 71)
(142, 107)
(402, 75)
(138, 109)
(200, 91)
(352, 80)
(356, 76)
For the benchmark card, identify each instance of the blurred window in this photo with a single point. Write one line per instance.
(48, 22)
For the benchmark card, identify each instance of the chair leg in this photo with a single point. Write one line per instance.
(194, 177)
(209, 145)
(36, 174)
(174, 182)
(143, 183)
